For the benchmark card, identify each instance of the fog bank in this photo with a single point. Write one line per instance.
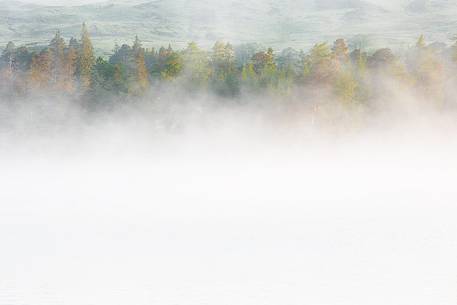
(194, 201)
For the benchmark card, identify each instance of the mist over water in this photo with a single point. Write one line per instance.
(196, 201)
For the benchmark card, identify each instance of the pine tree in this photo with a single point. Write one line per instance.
(345, 82)
(249, 76)
(263, 60)
(71, 62)
(142, 75)
(57, 53)
(40, 70)
(340, 51)
(223, 77)
(119, 79)
(420, 44)
(268, 75)
(8, 58)
(86, 60)
(321, 66)
(197, 70)
(218, 54)
(8, 67)
(172, 66)
(428, 71)
(359, 62)
(346, 86)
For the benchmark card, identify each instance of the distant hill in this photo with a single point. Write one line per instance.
(418, 6)
(432, 6)
(344, 4)
(277, 23)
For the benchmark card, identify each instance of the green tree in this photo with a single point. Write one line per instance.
(346, 87)
(172, 66)
(109, 79)
(223, 77)
(8, 58)
(320, 65)
(71, 63)
(249, 77)
(197, 68)
(265, 67)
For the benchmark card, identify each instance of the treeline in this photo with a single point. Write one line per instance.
(351, 77)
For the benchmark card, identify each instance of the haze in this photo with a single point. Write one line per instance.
(226, 208)
(233, 175)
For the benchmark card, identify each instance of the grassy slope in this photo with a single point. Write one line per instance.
(277, 23)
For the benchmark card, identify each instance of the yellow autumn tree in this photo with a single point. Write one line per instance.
(86, 60)
(40, 70)
(141, 81)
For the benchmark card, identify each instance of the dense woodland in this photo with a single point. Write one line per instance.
(348, 76)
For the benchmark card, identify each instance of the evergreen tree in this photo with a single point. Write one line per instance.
(346, 86)
(141, 72)
(71, 63)
(340, 51)
(359, 62)
(8, 58)
(8, 68)
(268, 75)
(249, 77)
(197, 68)
(264, 66)
(291, 60)
(321, 67)
(23, 59)
(41, 70)
(428, 70)
(263, 60)
(120, 78)
(86, 60)
(122, 56)
(172, 65)
(223, 78)
(420, 44)
(245, 52)
(58, 66)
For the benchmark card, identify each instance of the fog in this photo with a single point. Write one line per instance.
(192, 200)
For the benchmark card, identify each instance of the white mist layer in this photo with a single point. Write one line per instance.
(227, 212)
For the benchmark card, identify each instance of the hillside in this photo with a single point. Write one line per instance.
(276, 23)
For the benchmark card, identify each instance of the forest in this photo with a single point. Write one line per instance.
(349, 77)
